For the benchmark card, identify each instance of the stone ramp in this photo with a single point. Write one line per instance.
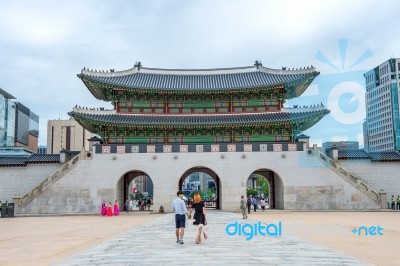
(155, 244)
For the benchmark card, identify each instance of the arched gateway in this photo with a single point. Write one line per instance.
(166, 119)
(200, 182)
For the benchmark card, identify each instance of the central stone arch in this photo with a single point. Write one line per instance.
(215, 204)
(276, 186)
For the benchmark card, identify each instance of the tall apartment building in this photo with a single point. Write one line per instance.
(382, 106)
(66, 134)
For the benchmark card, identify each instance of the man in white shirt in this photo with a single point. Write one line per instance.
(179, 206)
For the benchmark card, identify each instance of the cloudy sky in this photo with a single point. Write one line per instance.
(45, 44)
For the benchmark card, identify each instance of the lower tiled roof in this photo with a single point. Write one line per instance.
(13, 160)
(44, 158)
(24, 160)
(385, 156)
(353, 154)
(392, 156)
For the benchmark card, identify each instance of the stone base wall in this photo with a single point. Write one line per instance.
(18, 181)
(379, 175)
(302, 182)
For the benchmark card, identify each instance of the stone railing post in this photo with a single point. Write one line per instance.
(335, 155)
(16, 200)
(383, 196)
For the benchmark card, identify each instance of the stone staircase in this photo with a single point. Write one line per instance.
(352, 179)
(53, 178)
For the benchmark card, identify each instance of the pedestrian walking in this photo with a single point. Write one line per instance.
(179, 207)
(116, 208)
(199, 217)
(243, 207)
(148, 204)
(104, 208)
(109, 209)
(254, 202)
(127, 206)
(131, 205)
(398, 202)
(248, 204)
(393, 203)
(262, 203)
(6, 207)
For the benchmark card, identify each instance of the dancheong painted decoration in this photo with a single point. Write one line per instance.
(243, 104)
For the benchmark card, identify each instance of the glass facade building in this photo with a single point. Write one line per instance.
(19, 126)
(7, 119)
(26, 126)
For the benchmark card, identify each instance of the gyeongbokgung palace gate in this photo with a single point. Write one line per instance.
(229, 123)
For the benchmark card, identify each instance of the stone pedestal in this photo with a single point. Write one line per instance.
(383, 195)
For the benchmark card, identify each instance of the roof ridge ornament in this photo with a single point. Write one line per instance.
(258, 63)
(138, 65)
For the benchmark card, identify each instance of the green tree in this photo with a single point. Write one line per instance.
(262, 186)
(251, 191)
(138, 195)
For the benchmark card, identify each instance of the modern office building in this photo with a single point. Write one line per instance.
(341, 145)
(42, 149)
(382, 106)
(66, 134)
(26, 128)
(7, 119)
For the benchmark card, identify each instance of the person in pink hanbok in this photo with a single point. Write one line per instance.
(116, 208)
(103, 208)
(109, 209)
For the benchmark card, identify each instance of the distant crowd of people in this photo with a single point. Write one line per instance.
(251, 202)
(114, 209)
(142, 204)
(395, 204)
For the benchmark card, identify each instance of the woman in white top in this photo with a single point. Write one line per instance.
(262, 201)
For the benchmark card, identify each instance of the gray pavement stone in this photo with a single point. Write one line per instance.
(155, 244)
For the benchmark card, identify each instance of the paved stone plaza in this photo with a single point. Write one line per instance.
(155, 244)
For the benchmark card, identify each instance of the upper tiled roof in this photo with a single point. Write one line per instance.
(24, 160)
(199, 80)
(374, 156)
(203, 119)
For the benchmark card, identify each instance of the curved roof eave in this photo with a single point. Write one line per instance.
(202, 120)
(302, 81)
